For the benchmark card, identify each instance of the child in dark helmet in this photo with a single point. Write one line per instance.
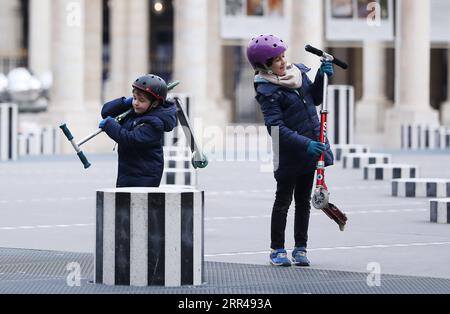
(139, 136)
(288, 100)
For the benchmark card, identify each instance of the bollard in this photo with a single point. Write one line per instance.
(178, 163)
(8, 131)
(421, 187)
(358, 161)
(186, 177)
(176, 138)
(440, 211)
(341, 107)
(149, 237)
(340, 150)
(390, 171)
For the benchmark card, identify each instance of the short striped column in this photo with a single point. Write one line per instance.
(418, 136)
(43, 141)
(177, 138)
(421, 187)
(341, 108)
(440, 211)
(340, 150)
(171, 151)
(9, 115)
(29, 144)
(390, 171)
(149, 237)
(177, 163)
(50, 141)
(359, 161)
(442, 138)
(179, 177)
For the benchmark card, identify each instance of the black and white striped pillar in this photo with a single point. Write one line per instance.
(176, 138)
(177, 163)
(149, 237)
(341, 108)
(183, 177)
(442, 138)
(171, 151)
(440, 211)
(421, 187)
(421, 136)
(50, 140)
(359, 161)
(390, 171)
(340, 150)
(43, 141)
(9, 115)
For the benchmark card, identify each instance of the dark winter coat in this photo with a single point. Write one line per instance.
(294, 113)
(139, 138)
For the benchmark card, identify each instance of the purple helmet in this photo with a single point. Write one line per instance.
(263, 48)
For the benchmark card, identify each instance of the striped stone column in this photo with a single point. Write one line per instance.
(421, 187)
(418, 136)
(179, 177)
(8, 131)
(149, 237)
(341, 108)
(340, 150)
(390, 171)
(440, 211)
(359, 161)
(177, 138)
(178, 163)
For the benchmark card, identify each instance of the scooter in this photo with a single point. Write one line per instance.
(321, 195)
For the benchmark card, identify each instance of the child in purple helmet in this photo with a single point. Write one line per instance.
(288, 100)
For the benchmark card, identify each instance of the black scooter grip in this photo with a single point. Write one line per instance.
(340, 63)
(320, 53)
(313, 50)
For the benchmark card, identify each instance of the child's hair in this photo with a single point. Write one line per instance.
(147, 96)
(268, 65)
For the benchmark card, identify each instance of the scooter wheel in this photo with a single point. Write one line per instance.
(320, 199)
(200, 163)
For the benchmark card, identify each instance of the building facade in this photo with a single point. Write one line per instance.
(96, 48)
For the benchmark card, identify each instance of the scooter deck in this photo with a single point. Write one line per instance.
(337, 215)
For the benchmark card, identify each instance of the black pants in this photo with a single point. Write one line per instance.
(301, 188)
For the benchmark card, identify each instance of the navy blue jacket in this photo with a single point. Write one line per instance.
(139, 137)
(294, 113)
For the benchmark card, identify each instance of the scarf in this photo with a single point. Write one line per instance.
(292, 79)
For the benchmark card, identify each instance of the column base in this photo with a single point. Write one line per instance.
(397, 116)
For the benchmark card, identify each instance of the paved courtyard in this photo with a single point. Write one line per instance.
(49, 204)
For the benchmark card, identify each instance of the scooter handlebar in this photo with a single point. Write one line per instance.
(320, 53)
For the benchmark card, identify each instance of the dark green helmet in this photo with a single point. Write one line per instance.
(153, 85)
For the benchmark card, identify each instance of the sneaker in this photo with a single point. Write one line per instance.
(299, 257)
(279, 258)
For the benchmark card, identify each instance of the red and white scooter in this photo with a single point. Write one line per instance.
(321, 194)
